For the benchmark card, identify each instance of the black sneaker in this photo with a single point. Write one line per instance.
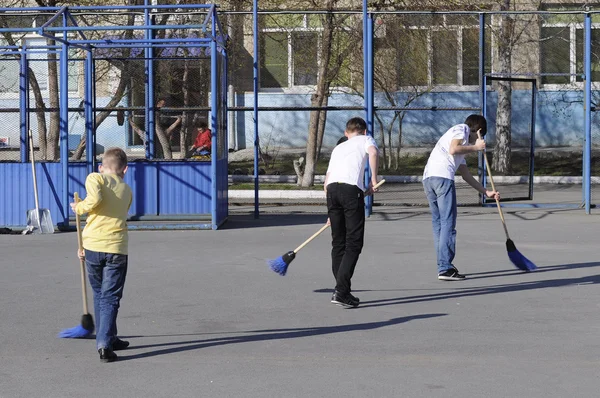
(451, 275)
(353, 297)
(345, 301)
(107, 355)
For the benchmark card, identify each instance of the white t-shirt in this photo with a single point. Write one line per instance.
(348, 160)
(441, 163)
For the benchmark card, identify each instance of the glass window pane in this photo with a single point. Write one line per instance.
(470, 56)
(304, 53)
(274, 60)
(411, 48)
(445, 58)
(554, 57)
(595, 54)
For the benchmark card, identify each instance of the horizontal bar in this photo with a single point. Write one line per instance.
(93, 8)
(117, 27)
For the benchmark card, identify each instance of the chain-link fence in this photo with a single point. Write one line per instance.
(426, 75)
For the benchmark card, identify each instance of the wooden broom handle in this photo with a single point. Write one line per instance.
(324, 227)
(81, 261)
(489, 171)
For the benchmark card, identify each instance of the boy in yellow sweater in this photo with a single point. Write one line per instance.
(105, 246)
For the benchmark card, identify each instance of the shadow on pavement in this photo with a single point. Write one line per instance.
(264, 335)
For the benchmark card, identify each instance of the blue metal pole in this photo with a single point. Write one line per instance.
(64, 129)
(255, 111)
(532, 144)
(150, 103)
(215, 125)
(370, 104)
(90, 153)
(482, 98)
(24, 103)
(587, 151)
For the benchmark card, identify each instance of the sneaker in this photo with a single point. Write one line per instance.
(451, 275)
(344, 301)
(353, 297)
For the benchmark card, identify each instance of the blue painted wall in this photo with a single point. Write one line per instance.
(167, 189)
(559, 117)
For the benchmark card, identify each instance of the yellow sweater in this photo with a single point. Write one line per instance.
(107, 202)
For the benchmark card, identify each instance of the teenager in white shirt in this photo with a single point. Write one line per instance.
(445, 160)
(344, 186)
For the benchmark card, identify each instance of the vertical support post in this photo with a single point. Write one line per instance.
(24, 103)
(64, 124)
(90, 153)
(214, 119)
(370, 98)
(150, 124)
(532, 144)
(587, 117)
(255, 105)
(481, 172)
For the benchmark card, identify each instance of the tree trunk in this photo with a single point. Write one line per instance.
(320, 98)
(501, 160)
(52, 149)
(184, 141)
(321, 131)
(40, 114)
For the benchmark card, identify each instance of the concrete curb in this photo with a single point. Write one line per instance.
(417, 179)
(306, 194)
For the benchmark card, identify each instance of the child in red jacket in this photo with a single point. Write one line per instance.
(202, 144)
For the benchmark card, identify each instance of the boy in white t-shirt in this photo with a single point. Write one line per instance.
(445, 160)
(345, 189)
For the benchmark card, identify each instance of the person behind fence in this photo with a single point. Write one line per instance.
(448, 157)
(202, 144)
(345, 191)
(105, 243)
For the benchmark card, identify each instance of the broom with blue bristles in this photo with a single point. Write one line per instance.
(280, 264)
(519, 260)
(86, 327)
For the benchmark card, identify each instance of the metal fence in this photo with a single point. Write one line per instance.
(426, 76)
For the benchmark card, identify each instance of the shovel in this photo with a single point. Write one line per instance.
(38, 220)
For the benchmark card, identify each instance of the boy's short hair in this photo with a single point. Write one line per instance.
(356, 125)
(115, 158)
(341, 140)
(477, 122)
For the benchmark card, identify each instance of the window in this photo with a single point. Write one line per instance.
(289, 51)
(561, 47)
(38, 63)
(446, 56)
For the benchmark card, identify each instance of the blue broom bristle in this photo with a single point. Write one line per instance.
(519, 260)
(77, 332)
(278, 265)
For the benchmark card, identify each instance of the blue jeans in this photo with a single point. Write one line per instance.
(106, 273)
(441, 195)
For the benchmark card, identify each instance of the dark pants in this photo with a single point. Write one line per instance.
(346, 211)
(106, 273)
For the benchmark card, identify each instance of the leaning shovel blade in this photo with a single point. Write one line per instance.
(41, 223)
